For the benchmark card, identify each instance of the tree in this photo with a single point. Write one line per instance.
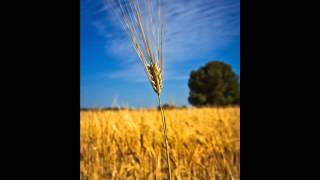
(214, 84)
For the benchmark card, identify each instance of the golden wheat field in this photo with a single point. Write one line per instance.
(128, 144)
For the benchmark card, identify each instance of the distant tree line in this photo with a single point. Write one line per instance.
(164, 106)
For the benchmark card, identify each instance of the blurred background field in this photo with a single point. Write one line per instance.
(128, 144)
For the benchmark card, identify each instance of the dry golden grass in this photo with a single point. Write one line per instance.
(204, 144)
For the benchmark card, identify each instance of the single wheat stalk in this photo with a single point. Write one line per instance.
(146, 35)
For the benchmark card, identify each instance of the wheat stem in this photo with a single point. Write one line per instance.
(165, 136)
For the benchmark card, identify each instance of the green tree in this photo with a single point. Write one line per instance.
(214, 84)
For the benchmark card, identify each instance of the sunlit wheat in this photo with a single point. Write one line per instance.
(127, 144)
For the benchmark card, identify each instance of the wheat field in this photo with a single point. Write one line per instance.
(128, 144)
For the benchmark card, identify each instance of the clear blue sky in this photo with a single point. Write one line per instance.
(196, 32)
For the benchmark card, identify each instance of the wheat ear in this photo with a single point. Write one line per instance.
(155, 77)
(147, 43)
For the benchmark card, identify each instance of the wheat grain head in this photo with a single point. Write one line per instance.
(143, 22)
(155, 77)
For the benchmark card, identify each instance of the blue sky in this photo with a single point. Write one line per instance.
(196, 31)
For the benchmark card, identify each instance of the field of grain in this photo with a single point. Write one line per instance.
(128, 144)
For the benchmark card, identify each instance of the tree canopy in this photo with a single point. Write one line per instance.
(214, 84)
